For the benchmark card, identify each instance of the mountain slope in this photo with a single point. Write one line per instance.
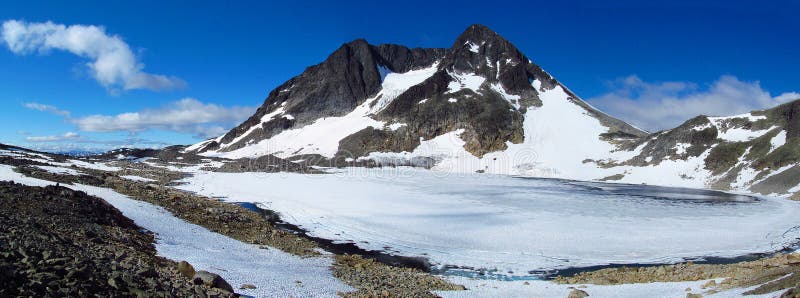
(483, 106)
(758, 152)
(388, 98)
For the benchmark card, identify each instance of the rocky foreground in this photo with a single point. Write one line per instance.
(60, 242)
(368, 277)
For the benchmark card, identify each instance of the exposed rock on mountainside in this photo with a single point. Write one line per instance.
(758, 151)
(483, 106)
(398, 96)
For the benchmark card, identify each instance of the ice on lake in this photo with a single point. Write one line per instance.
(511, 226)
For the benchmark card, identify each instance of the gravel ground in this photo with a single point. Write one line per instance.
(59, 242)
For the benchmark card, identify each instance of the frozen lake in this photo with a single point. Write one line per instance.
(509, 226)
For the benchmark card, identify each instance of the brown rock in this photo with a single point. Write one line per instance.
(692, 295)
(247, 287)
(710, 284)
(577, 294)
(186, 269)
(793, 259)
(211, 280)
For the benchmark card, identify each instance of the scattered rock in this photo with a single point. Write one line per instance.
(372, 278)
(211, 280)
(575, 293)
(247, 287)
(792, 293)
(692, 295)
(56, 242)
(710, 284)
(793, 259)
(186, 269)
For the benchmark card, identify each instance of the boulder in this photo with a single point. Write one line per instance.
(577, 294)
(211, 280)
(186, 269)
(247, 287)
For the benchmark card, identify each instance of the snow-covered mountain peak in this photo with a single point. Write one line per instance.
(483, 106)
(389, 98)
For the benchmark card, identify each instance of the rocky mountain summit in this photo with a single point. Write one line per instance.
(483, 106)
(482, 84)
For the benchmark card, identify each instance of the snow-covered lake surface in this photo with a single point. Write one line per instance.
(513, 227)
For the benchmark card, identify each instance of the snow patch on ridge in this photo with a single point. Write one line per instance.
(778, 140)
(510, 98)
(395, 84)
(465, 81)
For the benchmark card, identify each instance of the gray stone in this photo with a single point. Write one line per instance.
(575, 293)
(211, 280)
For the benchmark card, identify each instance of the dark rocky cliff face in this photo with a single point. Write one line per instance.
(354, 73)
(329, 89)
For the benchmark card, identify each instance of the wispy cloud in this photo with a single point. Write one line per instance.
(112, 64)
(188, 115)
(661, 105)
(96, 146)
(55, 138)
(46, 108)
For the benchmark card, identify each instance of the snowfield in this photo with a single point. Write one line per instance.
(513, 227)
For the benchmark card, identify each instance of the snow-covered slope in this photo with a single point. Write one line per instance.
(483, 106)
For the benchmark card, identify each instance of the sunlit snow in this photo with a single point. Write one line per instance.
(513, 225)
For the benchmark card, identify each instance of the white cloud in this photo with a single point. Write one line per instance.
(188, 115)
(57, 138)
(113, 63)
(87, 145)
(662, 105)
(46, 108)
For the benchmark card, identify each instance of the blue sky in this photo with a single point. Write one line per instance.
(652, 63)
